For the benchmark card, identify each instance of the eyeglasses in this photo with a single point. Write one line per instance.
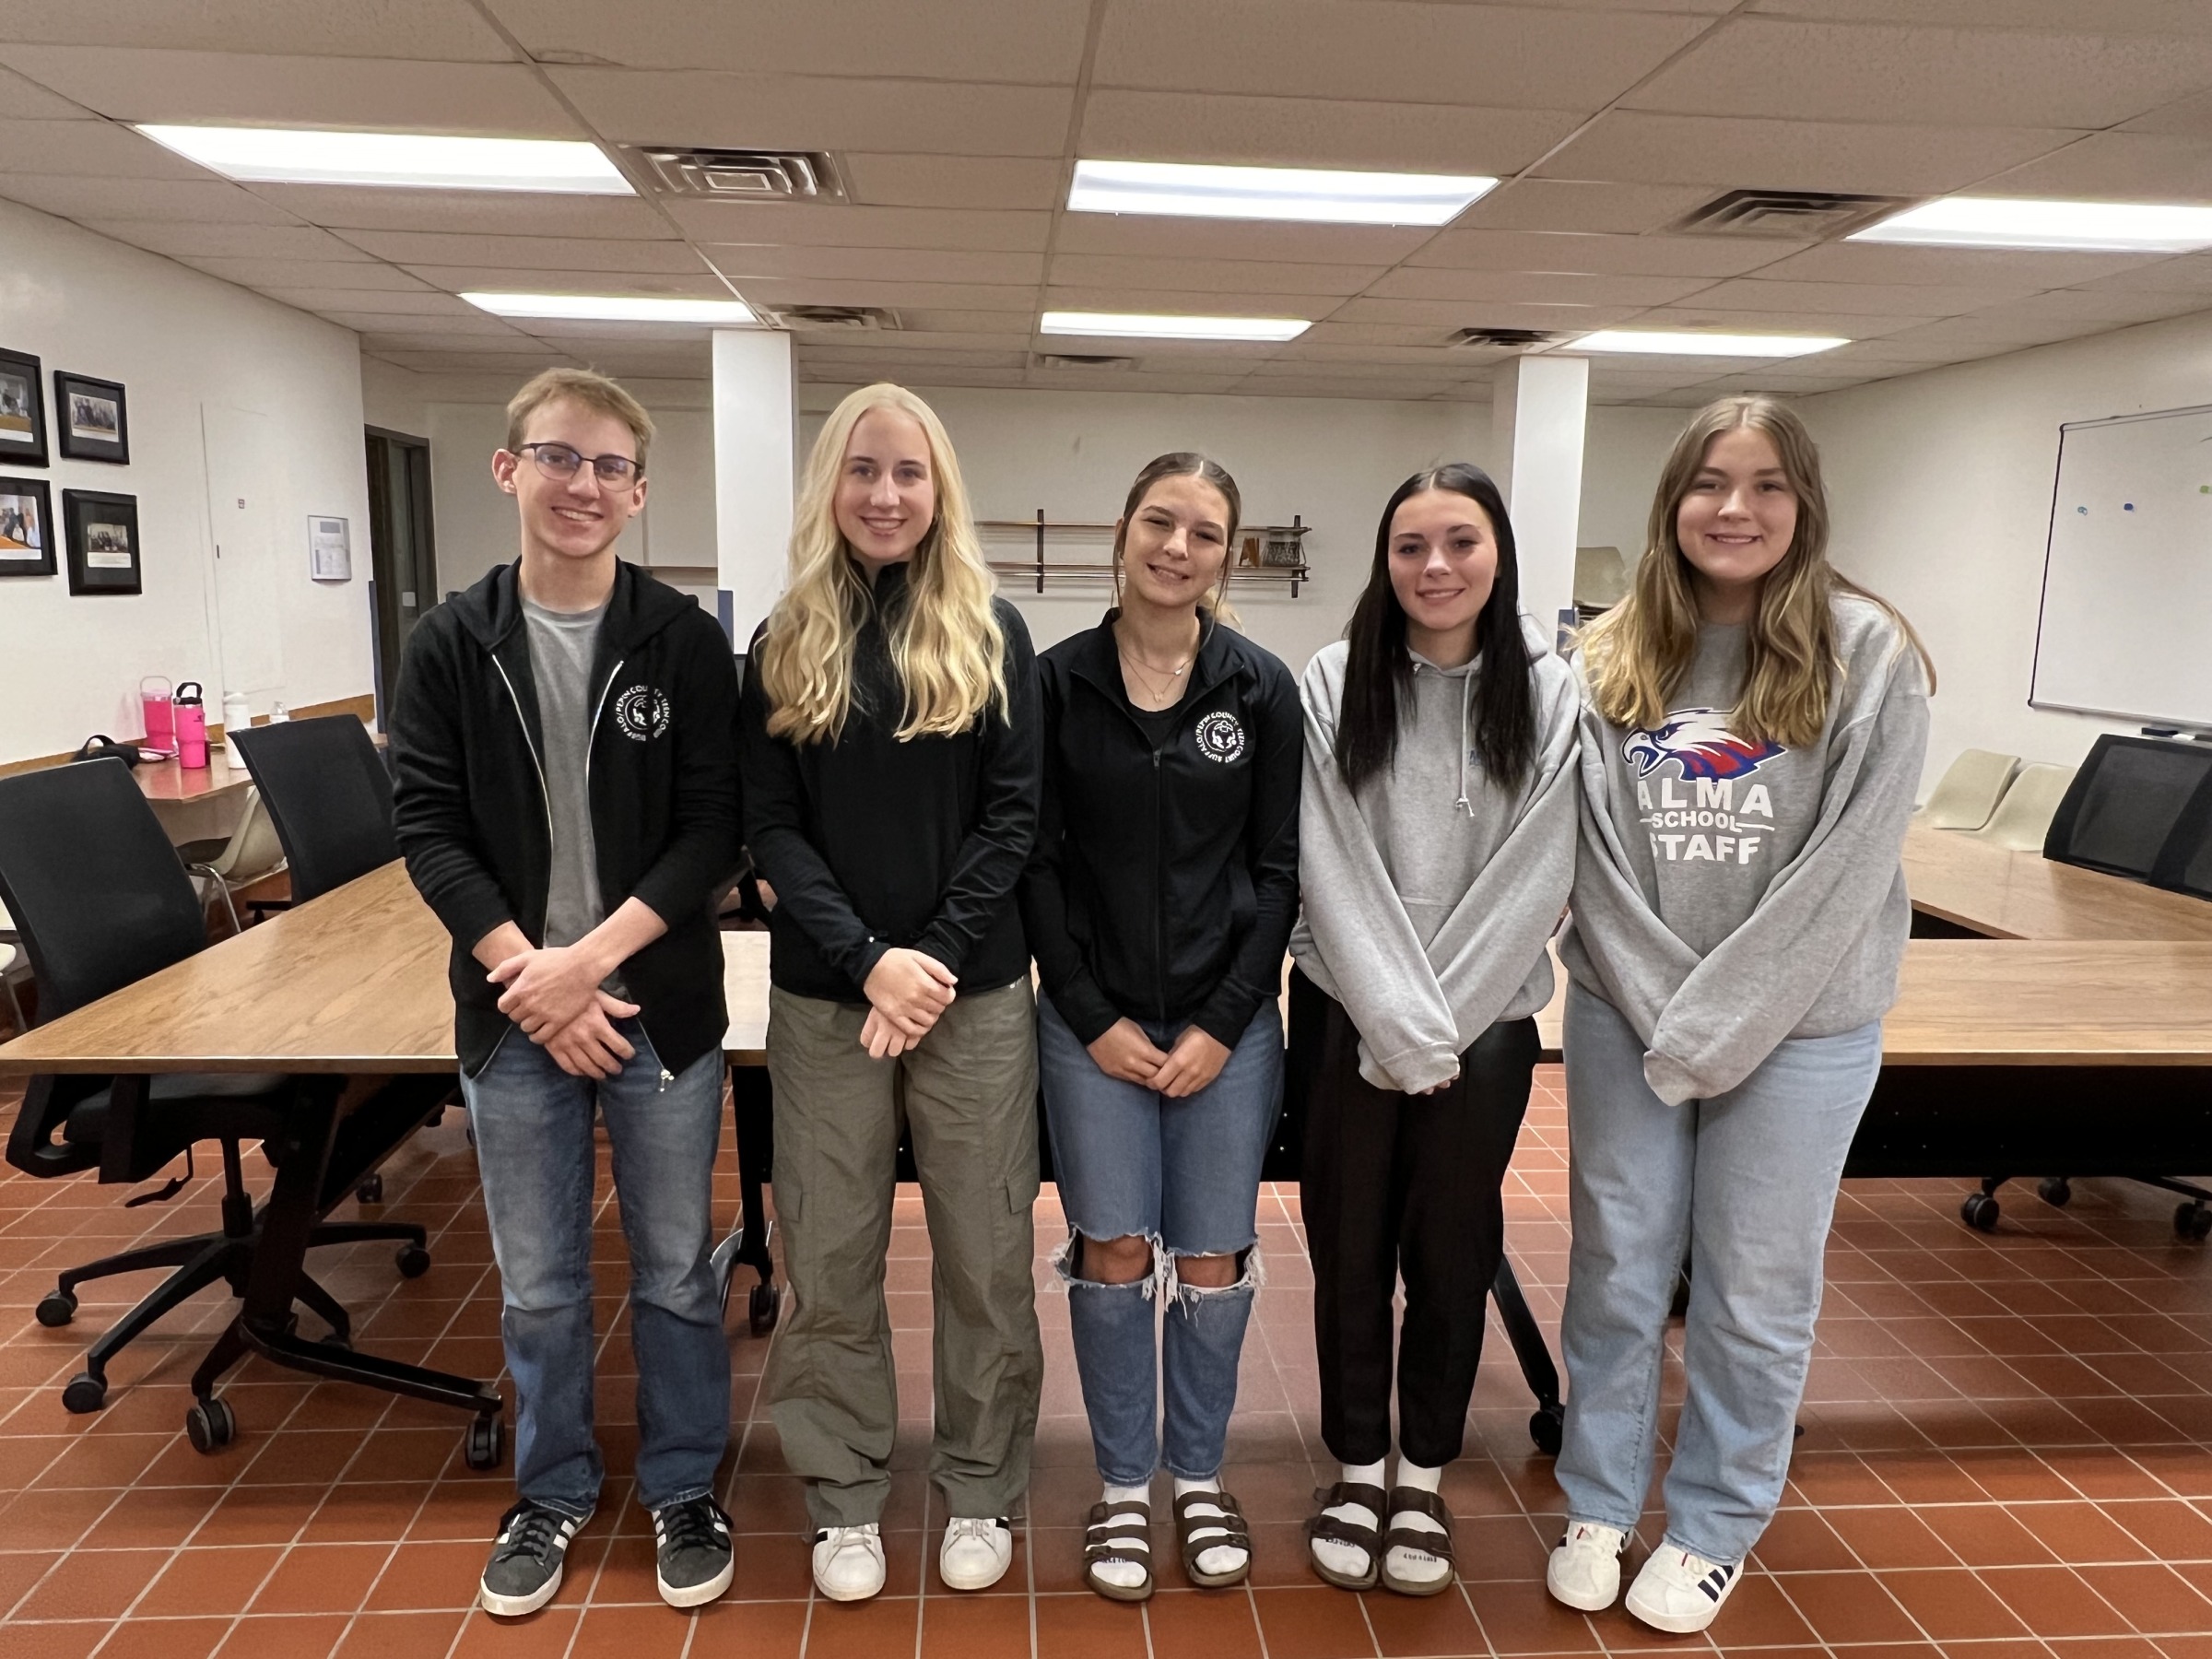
(560, 461)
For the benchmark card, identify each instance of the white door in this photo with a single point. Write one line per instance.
(241, 513)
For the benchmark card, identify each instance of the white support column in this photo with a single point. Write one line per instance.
(1537, 411)
(756, 437)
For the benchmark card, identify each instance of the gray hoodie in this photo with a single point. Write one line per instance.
(1429, 897)
(1729, 894)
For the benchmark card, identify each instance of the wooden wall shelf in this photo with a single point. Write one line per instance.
(1058, 546)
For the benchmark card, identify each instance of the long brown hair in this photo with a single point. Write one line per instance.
(1186, 463)
(1638, 653)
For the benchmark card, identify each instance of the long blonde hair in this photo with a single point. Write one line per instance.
(945, 643)
(1638, 653)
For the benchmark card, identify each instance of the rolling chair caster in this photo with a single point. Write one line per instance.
(2055, 1191)
(210, 1425)
(487, 1443)
(1980, 1211)
(2192, 1221)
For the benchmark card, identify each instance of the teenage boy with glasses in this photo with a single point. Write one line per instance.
(568, 803)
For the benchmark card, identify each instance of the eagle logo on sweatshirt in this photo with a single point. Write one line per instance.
(1701, 741)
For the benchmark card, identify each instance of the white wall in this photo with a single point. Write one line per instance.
(176, 339)
(1940, 483)
(1622, 453)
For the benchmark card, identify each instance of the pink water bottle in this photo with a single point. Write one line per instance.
(190, 709)
(154, 697)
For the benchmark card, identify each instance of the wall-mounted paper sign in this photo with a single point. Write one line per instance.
(329, 550)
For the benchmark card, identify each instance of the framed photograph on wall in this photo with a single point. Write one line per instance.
(103, 541)
(22, 411)
(92, 418)
(26, 528)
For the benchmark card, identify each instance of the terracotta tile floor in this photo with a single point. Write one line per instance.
(2005, 1455)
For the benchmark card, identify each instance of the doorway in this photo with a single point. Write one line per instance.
(402, 548)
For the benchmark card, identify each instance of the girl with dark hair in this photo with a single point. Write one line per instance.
(1158, 904)
(1435, 855)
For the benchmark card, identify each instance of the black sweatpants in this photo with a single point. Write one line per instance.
(1401, 1184)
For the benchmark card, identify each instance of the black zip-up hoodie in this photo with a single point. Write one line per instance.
(1165, 881)
(475, 826)
(871, 842)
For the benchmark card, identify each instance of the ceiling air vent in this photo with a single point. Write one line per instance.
(1509, 339)
(837, 319)
(1092, 362)
(728, 175)
(1797, 214)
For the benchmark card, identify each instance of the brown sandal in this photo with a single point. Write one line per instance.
(1415, 1500)
(1108, 1535)
(1335, 1530)
(1225, 1531)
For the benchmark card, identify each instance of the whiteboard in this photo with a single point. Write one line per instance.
(2126, 623)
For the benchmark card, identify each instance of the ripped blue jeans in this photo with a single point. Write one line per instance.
(1184, 1175)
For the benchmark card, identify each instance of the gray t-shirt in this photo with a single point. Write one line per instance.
(561, 644)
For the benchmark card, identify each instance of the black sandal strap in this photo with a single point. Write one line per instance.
(1228, 1529)
(1418, 1500)
(1366, 1496)
(1417, 1538)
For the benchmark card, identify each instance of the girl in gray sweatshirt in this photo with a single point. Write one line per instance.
(1751, 741)
(1436, 844)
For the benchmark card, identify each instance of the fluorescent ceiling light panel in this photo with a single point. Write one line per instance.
(1696, 343)
(1273, 193)
(2001, 222)
(283, 156)
(1135, 326)
(616, 308)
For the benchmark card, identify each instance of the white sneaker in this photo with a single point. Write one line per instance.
(848, 1562)
(1680, 1592)
(1584, 1571)
(975, 1553)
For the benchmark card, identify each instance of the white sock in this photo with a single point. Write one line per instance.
(1127, 1576)
(1222, 1557)
(1416, 1564)
(1349, 1560)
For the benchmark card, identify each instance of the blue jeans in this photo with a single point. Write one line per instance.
(1747, 1182)
(535, 1153)
(1183, 1175)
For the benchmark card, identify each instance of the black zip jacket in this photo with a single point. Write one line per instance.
(1165, 881)
(475, 826)
(871, 842)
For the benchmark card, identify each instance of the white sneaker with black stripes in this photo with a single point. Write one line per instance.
(1680, 1592)
(1584, 1571)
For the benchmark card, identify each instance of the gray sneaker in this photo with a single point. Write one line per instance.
(693, 1540)
(524, 1570)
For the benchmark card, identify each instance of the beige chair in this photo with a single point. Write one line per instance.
(1968, 791)
(251, 852)
(2023, 817)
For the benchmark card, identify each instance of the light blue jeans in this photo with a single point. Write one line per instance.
(1747, 1182)
(535, 1157)
(1185, 1176)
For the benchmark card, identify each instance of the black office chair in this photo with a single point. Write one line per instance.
(331, 796)
(101, 902)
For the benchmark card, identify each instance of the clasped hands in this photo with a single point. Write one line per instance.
(1123, 1051)
(907, 990)
(553, 995)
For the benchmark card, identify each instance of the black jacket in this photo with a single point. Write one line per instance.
(871, 842)
(1165, 881)
(476, 828)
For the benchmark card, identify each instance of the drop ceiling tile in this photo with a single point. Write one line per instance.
(1634, 147)
(427, 29)
(1314, 131)
(1994, 267)
(200, 201)
(1448, 314)
(1855, 299)
(1848, 325)
(180, 238)
(410, 302)
(907, 362)
(1036, 40)
(381, 326)
(515, 366)
(301, 274)
(528, 252)
(580, 334)
(1947, 332)
(25, 100)
(968, 321)
(1012, 335)
(834, 225)
(479, 212)
(1708, 256)
(1331, 355)
(133, 84)
(1337, 333)
(94, 148)
(524, 280)
(1184, 302)
(2110, 17)
(2116, 167)
(1159, 236)
(1002, 298)
(1436, 367)
(2188, 117)
(1580, 205)
(1244, 276)
(740, 261)
(769, 111)
(910, 181)
(1453, 55)
(2110, 306)
(431, 339)
(1788, 69)
(2187, 273)
(1534, 287)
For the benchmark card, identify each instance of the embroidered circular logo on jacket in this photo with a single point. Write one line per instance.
(1220, 737)
(642, 712)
